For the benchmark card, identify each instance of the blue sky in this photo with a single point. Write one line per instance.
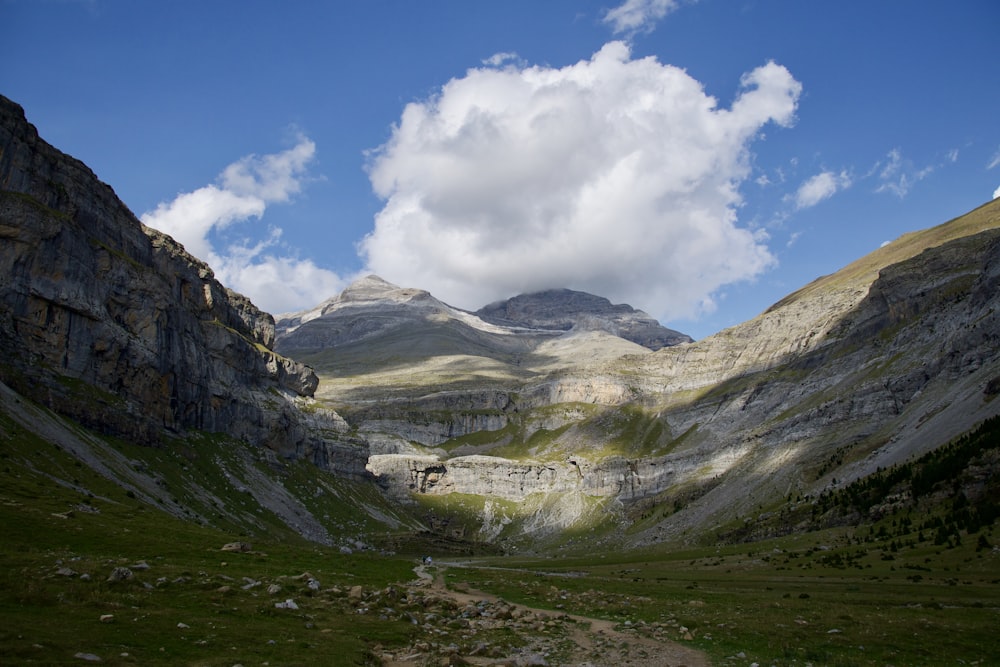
(698, 160)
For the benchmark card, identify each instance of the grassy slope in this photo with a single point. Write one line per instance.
(865, 270)
(56, 512)
(847, 596)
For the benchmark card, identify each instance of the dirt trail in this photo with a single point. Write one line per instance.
(595, 642)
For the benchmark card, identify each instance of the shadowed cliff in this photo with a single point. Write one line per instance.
(115, 325)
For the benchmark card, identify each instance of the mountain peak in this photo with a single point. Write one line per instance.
(371, 282)
(374, 288)
(566, 309)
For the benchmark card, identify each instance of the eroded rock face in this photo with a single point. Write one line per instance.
(114, 324)
(435, 419)
(491, 476)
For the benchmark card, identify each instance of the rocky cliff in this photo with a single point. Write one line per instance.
(905, 369)
(114, 324)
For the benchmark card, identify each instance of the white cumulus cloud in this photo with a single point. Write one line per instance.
(821, 186)
(614, 176)
(243, 191)
(634, 16)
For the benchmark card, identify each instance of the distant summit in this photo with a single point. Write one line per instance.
(566, 309)
(375, 327)
(374, 288)
(367, 307)
(371, 307)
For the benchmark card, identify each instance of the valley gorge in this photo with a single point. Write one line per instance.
(555, 411)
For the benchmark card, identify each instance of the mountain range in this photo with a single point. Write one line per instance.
(859, 371)
(547, 414)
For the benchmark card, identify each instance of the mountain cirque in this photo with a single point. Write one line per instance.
(882, 361)
(540, 414)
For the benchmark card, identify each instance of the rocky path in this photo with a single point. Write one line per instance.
(544, 637)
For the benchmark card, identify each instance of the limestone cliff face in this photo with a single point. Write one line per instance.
(615, 477)
(909, 367)
(433, 419)
(816, 316)
(114, 324)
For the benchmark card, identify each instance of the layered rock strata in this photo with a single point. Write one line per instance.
(618, 477)
(879, 366)
(114, 324)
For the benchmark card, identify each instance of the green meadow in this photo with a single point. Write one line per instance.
(916, 587)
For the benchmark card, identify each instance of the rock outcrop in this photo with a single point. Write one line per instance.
(496, 477)
(114, 324)
(564, 309)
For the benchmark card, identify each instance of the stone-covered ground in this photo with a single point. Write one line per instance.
(474, 628)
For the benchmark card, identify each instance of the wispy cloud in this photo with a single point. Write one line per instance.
(994, 161)
(499, 59)
(821, 186)
(615, 176)
(638, 16)
(242, 192)
(898, 175)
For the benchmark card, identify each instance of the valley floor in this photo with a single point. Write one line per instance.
(550, 638)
